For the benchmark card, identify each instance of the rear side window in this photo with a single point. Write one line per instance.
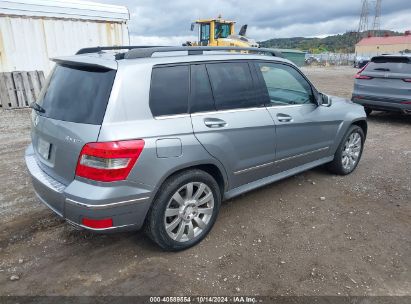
(201, 96)
(77, 94)
(169, 90)
(232, 85)
(390, 65)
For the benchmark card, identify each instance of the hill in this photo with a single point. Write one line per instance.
(342, 43)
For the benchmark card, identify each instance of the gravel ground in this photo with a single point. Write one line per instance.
(279, 240)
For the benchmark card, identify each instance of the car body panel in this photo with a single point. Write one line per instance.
(235, 144)
(66, 139)
(307, 137)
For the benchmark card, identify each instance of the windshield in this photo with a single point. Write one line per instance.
(77, 94)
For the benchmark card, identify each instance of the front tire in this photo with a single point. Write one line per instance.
(184, 210)
(349, 152)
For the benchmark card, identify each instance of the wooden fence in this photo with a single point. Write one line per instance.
(19, 89)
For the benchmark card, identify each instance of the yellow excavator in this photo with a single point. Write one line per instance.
(220, 32)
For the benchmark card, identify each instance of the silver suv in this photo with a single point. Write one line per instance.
(157, 137)
(384, 84)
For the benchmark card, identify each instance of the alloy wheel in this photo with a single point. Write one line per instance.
(351, 151)
(189, 211)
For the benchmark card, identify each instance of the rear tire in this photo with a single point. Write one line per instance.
(349, 152)
(368, 111)
(184, 210)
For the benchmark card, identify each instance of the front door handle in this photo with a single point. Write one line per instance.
(214, 123)
(284, 117)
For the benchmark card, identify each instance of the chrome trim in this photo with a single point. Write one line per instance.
(171, 116)
(275, 177)
(253, 168)
(290, 106)
(279, 161)
(105, 206)
(301, 155)
(76, 225)
(227, 111)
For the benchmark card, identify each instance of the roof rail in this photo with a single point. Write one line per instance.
(117, 47)
(194, 50)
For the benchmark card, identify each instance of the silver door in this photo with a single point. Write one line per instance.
(240, 138)
(304, 131)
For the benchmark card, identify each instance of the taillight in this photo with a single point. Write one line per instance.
(407, 79)
(406, 102)
(108, 161)
(359, 76)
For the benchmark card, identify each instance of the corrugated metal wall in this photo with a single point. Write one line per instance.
(27, 43)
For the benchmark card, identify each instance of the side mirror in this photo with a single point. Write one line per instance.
(324, 100)
(192, 26)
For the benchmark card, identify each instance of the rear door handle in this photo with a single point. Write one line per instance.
(284, 117)
(214, 123)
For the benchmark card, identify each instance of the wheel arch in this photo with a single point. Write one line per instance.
(362, 123)
(216, 171)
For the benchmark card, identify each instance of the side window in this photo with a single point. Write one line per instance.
(232, 85)
(201, 96)
(285, 85)
(204, 32)
(169, 90)
(221, 30)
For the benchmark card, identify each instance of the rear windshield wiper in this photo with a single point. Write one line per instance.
(382, 69)
(36, 107)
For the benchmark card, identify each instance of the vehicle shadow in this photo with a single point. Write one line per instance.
(390, 117)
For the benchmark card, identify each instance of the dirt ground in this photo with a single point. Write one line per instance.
(277, 240)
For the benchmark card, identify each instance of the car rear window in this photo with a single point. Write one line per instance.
(77, 94)
(390, 64)
(169, 90)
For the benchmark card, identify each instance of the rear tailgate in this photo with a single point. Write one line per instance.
(74, 100)
(386, 82)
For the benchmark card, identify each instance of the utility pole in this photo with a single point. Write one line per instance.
(363, 25)
(376, 24)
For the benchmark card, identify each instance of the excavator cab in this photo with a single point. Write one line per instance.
(211, 30)
(220, 32)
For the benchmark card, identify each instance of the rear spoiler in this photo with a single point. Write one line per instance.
(86, 61)
(391, 58)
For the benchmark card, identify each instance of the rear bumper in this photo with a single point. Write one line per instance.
(381, 104)
(126, 205)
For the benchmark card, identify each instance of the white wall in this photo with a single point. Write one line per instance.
(27, 43)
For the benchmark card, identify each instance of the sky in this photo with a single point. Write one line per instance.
(168, 21)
